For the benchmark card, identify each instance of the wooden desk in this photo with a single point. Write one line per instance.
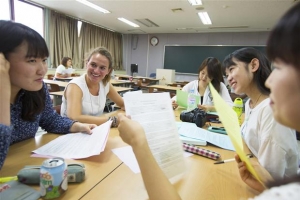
(127, 77)
(97, 167)
(59, 93)
(119, 89)
(122, 89)
(60, 83)
(65, 79)
(164, 88)
(125, 83)
(202, 180)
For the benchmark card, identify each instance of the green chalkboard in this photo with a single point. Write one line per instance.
(187, 59)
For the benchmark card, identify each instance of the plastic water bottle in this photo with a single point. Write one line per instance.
(191, 101)
(238, 108)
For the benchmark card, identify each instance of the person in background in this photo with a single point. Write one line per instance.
(24, 101)
(273, 144)
(88, 92)
(210, 71)
(61, 70)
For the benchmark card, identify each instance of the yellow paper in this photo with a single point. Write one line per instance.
(230, 122)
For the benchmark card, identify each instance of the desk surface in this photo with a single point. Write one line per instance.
(97, 167)
(108, 178)
(202, 180)
(136, 77)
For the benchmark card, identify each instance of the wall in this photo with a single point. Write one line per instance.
(137, 49)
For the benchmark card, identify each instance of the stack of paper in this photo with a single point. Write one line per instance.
(190, 130)
(77, 145)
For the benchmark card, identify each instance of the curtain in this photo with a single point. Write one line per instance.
(92, 36)
(63, 39)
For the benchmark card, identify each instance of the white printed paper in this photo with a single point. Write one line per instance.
(77, 145)
(192, 131)
(154, 112)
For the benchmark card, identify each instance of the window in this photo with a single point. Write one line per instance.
(29, 15)
(5, 10)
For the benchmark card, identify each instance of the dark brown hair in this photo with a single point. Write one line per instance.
(214, 71)
(13, 35)
(64, 61)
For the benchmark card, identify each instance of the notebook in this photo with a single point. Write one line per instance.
(182, 97)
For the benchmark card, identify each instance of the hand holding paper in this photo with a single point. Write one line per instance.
(230, 122)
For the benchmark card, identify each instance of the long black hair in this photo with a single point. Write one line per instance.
(13, 35)
(246, 55)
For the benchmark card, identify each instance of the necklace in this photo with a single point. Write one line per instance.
(253, 106)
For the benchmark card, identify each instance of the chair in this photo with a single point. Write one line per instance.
(152, 75)
(57, 108)
(52, 87)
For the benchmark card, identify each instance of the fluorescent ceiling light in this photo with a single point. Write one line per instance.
(195, 2)
(87, 3)
(128, 22)
(204, 18)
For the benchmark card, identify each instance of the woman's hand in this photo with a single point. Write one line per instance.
(131, 131)
(203, 107)
(82, 127)
(248, 178)
(174, 104)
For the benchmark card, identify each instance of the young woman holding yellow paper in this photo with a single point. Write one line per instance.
(210, 71)
(284, 50)
(273, 144)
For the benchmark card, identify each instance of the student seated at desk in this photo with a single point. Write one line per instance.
(273, 144)
(24, 101)
(85, 96)
(284, 50)
(61, 70)
(209, 71)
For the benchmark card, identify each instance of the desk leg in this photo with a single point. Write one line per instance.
(151, 89)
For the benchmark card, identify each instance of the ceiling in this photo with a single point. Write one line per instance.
(226, 15)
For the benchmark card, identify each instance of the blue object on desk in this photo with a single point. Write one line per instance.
(217, 129)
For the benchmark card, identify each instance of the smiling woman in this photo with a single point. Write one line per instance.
(88, 92)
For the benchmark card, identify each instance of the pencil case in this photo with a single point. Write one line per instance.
(217, 129)
(202, 152)
(31, 174)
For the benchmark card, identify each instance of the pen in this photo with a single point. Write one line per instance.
(201, 152)
(7, 179)
(230, 160)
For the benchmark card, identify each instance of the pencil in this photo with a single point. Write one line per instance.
(230, 160)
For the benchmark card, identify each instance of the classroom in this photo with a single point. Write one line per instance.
(142, 52)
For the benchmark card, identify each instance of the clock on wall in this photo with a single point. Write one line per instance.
(154, 41)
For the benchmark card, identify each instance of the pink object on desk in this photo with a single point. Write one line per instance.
(201, 152)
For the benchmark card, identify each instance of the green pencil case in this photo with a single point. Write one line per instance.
(30, 174)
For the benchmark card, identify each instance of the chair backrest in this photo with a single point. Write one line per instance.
(53, 87)
(57, 108)
(152, 75)
(50, 76)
